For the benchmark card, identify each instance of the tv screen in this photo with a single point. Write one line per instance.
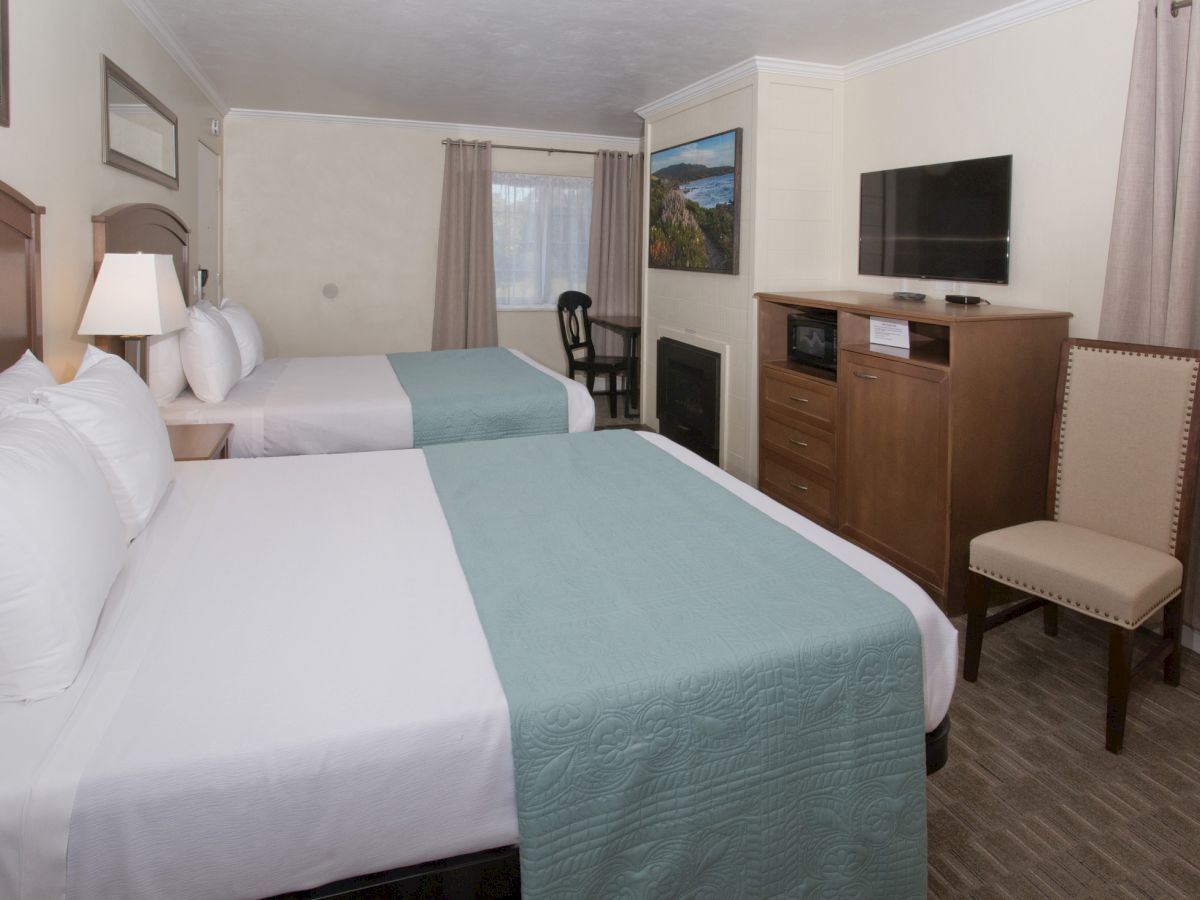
(948, 221)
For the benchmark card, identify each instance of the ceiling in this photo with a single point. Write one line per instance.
(543, 64)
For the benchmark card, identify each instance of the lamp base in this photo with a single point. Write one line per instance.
(137, 355)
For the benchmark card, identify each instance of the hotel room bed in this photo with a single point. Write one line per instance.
(291, 683)
(335, 404)
(304, 405)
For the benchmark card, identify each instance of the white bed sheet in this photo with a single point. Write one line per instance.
(294, 406)
(322, 704)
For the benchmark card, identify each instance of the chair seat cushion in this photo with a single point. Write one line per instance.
(1103, 576)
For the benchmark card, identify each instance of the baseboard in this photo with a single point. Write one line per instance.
(1191, 638)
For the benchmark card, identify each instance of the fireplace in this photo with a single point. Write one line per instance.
(689, 397)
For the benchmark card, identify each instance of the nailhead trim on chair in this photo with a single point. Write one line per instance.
(1067, 601)
(1187, 425)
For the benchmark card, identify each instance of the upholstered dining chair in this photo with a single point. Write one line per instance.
(576, 330)
(1114, 543)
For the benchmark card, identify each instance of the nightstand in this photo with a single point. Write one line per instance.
(196, 442)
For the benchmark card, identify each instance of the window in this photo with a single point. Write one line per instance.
(540, 229)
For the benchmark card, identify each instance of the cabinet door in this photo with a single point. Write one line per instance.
(893, 448)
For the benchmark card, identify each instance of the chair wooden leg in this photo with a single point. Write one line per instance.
(1120, 670)
(591, 382)
(1050, 619)
(612, 395)
(977, 607)
(1173, 632)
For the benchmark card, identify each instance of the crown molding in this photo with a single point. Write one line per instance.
(153, 23)
(1009, 17)
(1018, 14)
(487, 131)
(755, 65)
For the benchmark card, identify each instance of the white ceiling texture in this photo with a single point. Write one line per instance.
(558, 65)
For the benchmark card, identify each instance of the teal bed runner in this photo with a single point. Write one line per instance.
(703, 703)
(473, 395)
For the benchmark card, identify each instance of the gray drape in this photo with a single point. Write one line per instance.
(1152, 287)
(464, 299)
(614, 280)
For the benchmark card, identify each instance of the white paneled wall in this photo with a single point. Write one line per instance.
(790, 203)
(799, 128)
(711, 311)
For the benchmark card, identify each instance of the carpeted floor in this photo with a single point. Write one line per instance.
(1031, 805)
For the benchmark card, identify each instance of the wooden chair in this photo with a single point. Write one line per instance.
(1118, 513)
(576, 330)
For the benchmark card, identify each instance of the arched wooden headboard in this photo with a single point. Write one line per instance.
(20, 275)
(142, 228)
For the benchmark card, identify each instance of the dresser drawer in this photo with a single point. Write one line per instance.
(810, 446)
(807, 398)
(796, 486)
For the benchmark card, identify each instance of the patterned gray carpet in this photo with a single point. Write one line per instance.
(1031, 805)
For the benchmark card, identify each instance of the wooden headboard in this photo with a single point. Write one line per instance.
(20, 276)
(142, 228)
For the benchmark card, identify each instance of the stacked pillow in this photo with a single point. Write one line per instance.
(61, 547)
(83, 466)
(218, 348)
(245, 332)
(20, 379)
(164, 368)
(110, 410)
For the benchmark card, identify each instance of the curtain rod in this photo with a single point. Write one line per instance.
(535, 149)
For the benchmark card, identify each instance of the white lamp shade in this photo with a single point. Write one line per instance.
(135, 294)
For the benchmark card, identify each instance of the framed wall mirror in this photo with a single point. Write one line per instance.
(5, 91)
(140, 134)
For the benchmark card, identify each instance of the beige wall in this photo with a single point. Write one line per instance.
(1052, 93)
(314, 202)
(51, 151)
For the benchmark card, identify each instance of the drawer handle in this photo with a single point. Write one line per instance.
(798, 399)
(798, 486)
(865, 375)
(798, 443)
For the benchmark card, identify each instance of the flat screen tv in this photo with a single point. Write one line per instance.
(948, 221)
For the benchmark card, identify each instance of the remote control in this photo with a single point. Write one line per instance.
(963, 299)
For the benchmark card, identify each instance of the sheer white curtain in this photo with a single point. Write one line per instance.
(540, 226)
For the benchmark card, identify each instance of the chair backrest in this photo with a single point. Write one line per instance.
(575, 326)
(1124, 456)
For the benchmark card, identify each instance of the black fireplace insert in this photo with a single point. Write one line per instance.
(689, 397)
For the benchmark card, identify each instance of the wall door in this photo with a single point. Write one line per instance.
(205, 249)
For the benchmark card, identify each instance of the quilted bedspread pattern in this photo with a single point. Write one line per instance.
(703, 703)
(479, 394)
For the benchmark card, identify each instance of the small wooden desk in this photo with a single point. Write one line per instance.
(198, 442)
(630, 328)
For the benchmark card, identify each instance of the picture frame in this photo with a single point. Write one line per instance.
(140, 134)
(695, 204)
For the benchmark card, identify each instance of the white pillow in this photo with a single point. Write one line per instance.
(164, 368)
(210, 353)
(61, 547)
(20, 379)
(245, 332)
(111, 411)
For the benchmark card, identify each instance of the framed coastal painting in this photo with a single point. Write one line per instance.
(694, 204)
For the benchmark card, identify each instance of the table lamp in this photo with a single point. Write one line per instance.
(135, 295)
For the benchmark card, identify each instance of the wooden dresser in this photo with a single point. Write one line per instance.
(911, 453)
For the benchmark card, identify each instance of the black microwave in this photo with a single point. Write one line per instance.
(812, 338)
